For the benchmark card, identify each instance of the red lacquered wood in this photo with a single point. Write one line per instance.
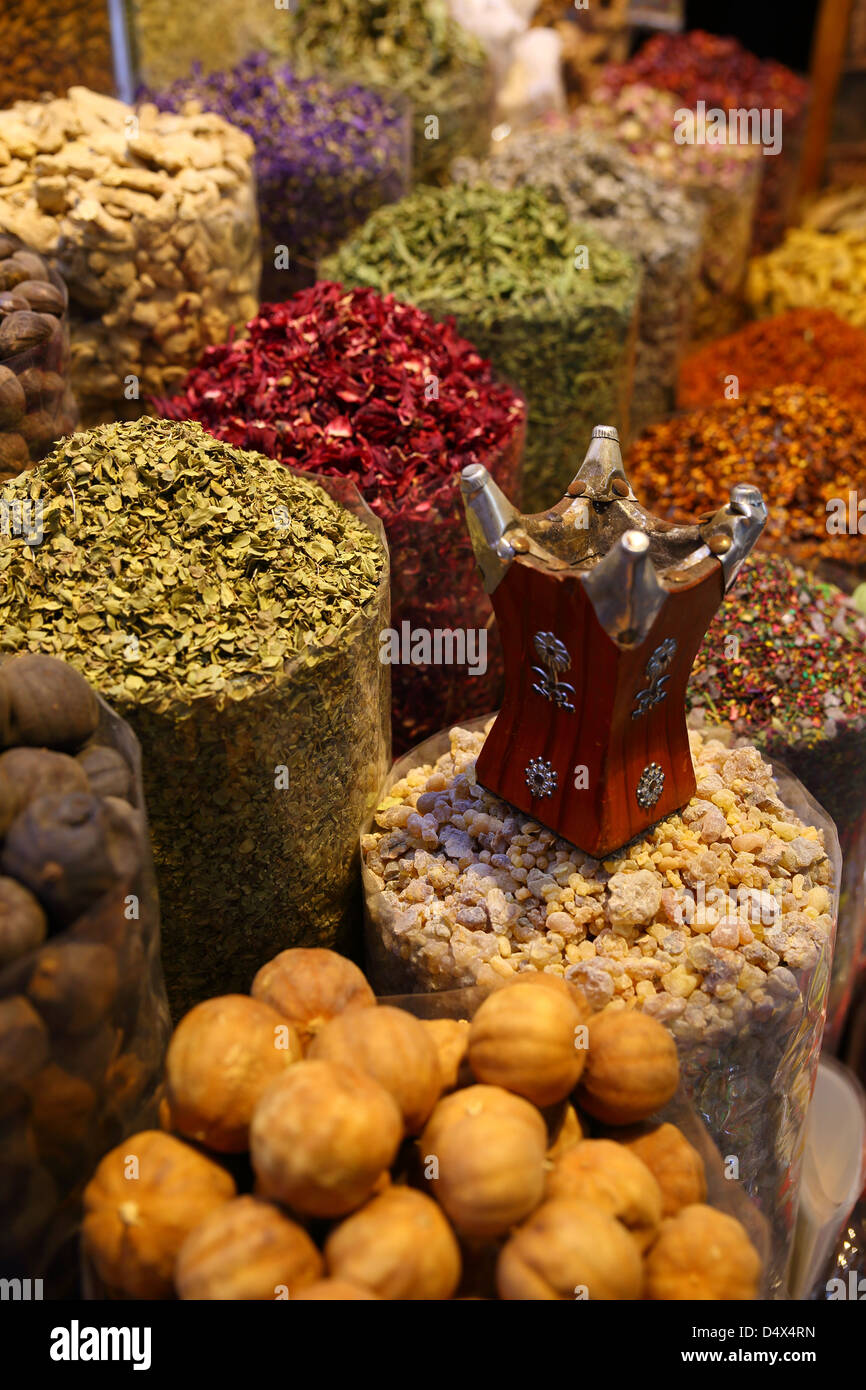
(600, 734)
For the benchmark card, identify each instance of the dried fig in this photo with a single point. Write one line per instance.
(51, 705)
(484, 1150)
(450, 1038)
(322, 1136)
(399, 1245)
(69, 851)
(391, 1046)
(702, 1254)
(614, 1179)
(22, 922)
(107, 771)
(674, 1163)
(73, 986)
(142, 1202)
(526, 1039)
(36, 772)
(62, 1109)
(24, 1048)
(11, 303)
(632, 1068)
(309, 986)
(246, 1249)
(222, 1057)
(570, 1249)
(13, 401)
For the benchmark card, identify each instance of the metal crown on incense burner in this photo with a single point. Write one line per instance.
(601, 609)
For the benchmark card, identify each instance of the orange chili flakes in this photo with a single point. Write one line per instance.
(806, 347)
(805, 450)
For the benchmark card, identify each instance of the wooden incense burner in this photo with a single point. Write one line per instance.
(601, 608)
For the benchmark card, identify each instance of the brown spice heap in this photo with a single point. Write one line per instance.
(803, 447)
(809, 347)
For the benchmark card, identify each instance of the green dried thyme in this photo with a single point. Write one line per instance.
(552, 304)
(230, 611)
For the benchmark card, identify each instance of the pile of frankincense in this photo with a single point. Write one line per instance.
(317, 1144)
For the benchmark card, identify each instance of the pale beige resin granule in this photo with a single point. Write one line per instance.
(705, 923)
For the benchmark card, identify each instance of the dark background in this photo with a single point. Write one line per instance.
(770, 28)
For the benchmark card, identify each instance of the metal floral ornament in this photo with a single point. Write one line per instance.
(619, 600)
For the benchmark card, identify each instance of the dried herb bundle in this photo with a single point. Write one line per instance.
(230, 610)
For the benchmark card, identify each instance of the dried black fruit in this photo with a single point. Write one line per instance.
(69, 850)
(35, 772)
(107, 771)
(22, 921)
(13, 401)
(73, 986)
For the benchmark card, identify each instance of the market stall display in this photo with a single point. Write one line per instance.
(326, 156)
(550, 302)
(807, 347)
(801, 443)
(358, 386)
(721, 180)
(602, 188)
(463, 890)
(785, 667)
(414, 48)
(49, 43)
(424, 1146)
(36, 401)
(811, 270)
(231, 612)
(760, 101)
(83, 1016)
(151, 220)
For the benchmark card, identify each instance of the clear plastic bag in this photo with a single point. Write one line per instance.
(255, 802)
(37, 405)
(151, 219)
(167, 38)
(751, 1085)
(72, 1089)
(435, 585)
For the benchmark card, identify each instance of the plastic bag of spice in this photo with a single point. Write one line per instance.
(721, 180)
(364, 388)
(83, 1013)
(326, 156)
(36, 401)
(231, 611)
(151, 219)
(49, 43)
(761, 103)
(551, 303)
(784, 667)
(650, 219)
(415, 48)
(748, 1018)
(169, 39)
